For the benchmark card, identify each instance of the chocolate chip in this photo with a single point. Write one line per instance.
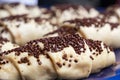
(75, 60)
(91, 57)
(59, 64)
(69, 65)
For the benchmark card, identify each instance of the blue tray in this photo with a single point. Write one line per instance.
(109, 73)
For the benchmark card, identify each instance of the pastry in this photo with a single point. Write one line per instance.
(24, 29)
(62, 57)
(98, 29)
(13, 9)
(65, 12)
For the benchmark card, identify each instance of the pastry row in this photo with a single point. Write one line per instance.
(21, 29)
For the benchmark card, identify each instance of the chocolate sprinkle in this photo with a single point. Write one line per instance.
(64, 56)
(69, 65)
(14, 4)
(94, 45)
(87, 22)
(55, 44)
(63, 63)
(17, 18)
(91, 57)
(59, 64)
(2, 40)
(3, 61)
(64, 30)
(63, 7)
(75, 60)
(24, 60)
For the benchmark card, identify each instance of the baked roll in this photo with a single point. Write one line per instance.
(62, 57)
(24, 29)
(65, 12)
(67, 30)
(70, 56)
(97, 48)
(98, 29)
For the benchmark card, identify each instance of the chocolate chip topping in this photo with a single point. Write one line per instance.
(63, 7)
(4, 30)
(31, 6)
(63, 64)
(114, 25)
(64, 56)
(52, 44)
(3, 61)
(17, 18)
(69, 65)
(108, 48)
(23, 18)
(55, 44)
(97, 46)
(14, 4)
(75, 60)
(33, 50)
(59, 64)
(87, 22)
(39, 20)
(94, 45)
(2, 40)
(24, 60)
(64, 30)
(91, 57)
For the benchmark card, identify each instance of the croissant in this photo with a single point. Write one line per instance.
(65, 57)
(12, 9)
(97, 29)
(65, 12)
(22, 29)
